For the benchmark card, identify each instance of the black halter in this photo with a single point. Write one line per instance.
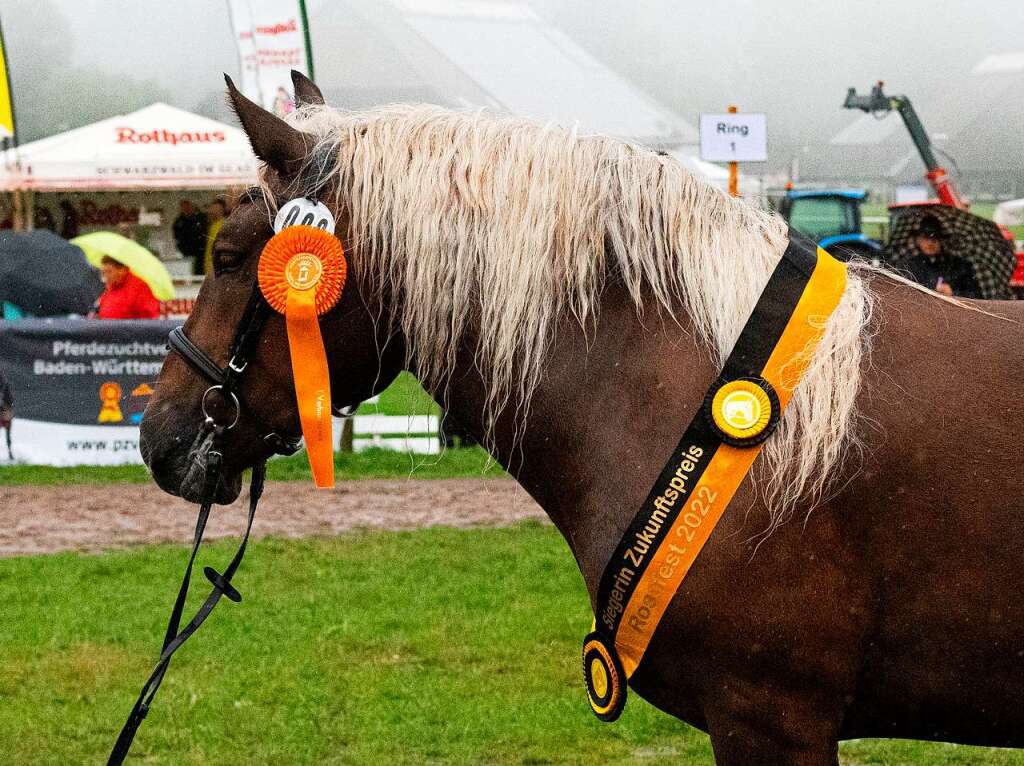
(205, 461)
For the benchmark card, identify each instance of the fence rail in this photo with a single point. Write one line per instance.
(411, 433)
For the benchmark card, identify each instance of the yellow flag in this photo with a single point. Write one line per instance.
(6, 110)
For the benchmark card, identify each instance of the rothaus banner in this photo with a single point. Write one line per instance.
(78, 387)
(272, 40)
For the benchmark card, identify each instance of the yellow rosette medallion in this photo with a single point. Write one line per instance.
(744, 411)
(604, 677)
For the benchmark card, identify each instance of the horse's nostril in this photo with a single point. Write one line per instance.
(159, 441)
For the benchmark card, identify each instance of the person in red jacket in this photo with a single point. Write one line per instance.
(126, 296)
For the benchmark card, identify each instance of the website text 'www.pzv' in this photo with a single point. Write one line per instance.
(116, 445)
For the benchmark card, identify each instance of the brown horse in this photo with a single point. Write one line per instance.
(569, 300)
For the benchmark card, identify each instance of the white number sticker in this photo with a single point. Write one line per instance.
(303, 212)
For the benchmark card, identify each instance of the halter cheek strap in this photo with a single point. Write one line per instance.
(717, 450)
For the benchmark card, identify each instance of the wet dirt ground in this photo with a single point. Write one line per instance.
(45, 519)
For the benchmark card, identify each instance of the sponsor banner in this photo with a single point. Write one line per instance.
(158, 146)
(79, 387)
(271, 40)
(38, 442)
(177, 308)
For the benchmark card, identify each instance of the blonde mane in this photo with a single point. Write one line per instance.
(508, 224)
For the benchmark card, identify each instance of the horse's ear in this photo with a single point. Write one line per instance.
(273, 140)
(306, 91)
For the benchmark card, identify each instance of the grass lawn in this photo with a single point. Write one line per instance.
(405, 396)
(435, 646)
(371, 463)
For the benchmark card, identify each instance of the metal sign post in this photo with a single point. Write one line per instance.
(734, 169)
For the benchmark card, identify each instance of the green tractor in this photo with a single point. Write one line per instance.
(831, 217)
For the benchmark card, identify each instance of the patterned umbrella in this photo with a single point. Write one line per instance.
(964, 235)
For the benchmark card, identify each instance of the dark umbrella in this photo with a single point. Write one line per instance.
(965, 235)
(46, 275)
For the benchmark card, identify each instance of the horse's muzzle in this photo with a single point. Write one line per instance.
(183, 473)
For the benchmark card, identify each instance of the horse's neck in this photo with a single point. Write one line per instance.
(612, 404)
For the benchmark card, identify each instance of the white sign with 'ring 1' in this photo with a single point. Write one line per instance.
(733, 138)
(304, 212)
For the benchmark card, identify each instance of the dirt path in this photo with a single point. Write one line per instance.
(94, 518)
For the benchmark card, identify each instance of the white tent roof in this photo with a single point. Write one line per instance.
(531, 68)
(482, 53)
(158, 147)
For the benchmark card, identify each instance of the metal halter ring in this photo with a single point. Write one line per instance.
(234, 400)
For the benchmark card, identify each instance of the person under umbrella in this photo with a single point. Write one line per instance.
(129, 253)
(126, 296)
(937, 269)
(961, 236)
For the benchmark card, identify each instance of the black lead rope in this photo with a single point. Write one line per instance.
(173, 639)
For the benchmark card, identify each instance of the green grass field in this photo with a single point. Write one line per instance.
(404, 396)
(372, 463)
(435, 646)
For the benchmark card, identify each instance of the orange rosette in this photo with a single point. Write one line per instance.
(301, 274)
(301, 258)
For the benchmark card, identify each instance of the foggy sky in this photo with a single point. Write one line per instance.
(789, 58)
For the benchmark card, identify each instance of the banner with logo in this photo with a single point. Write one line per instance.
(156, 147)
(272, 38)
(77, 388)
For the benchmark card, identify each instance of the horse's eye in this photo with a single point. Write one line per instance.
(226, 261)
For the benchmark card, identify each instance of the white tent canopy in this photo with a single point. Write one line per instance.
(530, 68)
(158, 147)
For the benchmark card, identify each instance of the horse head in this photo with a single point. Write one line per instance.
(363, 355)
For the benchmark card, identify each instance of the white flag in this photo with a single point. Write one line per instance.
(271, 40)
